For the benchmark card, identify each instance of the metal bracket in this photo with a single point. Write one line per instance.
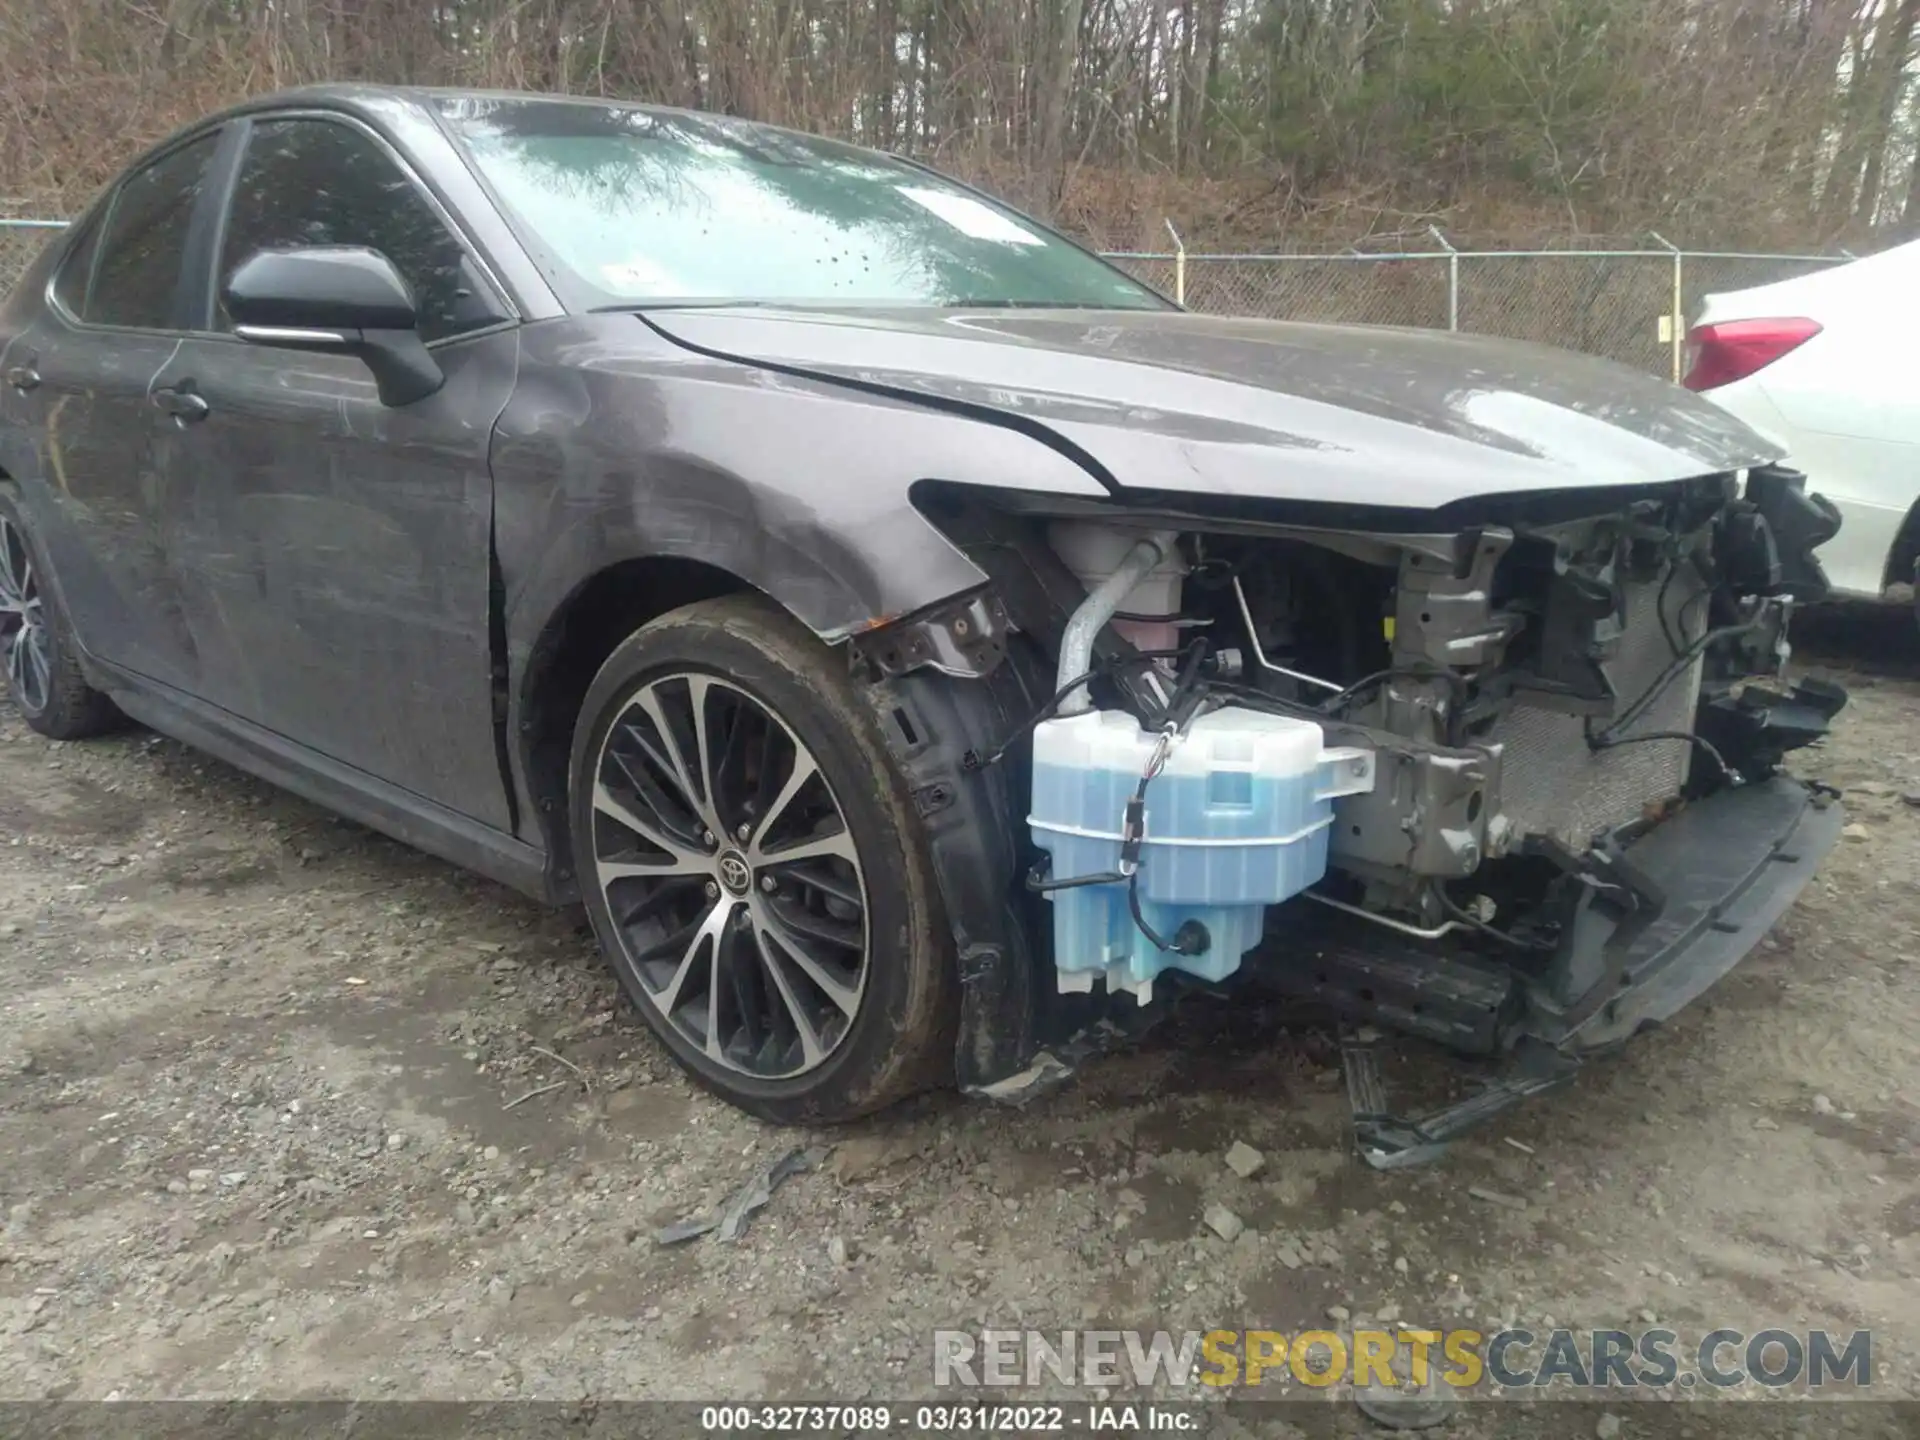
(1444, 615)
(966, 638)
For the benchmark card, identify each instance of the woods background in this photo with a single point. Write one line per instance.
(1252, 124)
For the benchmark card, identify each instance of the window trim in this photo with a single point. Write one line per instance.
(84, 231)
(103, 214)
(510, 309)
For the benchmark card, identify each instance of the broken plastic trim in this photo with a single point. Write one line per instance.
(1387, 1141)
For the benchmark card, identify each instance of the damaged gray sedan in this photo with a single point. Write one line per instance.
(924, 650)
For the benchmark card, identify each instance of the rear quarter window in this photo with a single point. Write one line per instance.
(70, 283)
(143, 245)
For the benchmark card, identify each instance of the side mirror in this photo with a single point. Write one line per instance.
(341, 298)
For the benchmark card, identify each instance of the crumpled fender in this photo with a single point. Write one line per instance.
(620, 445)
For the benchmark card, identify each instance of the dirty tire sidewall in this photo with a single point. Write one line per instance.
(74, 709)
(901, 1041)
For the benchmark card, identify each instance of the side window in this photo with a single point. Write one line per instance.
(314, 182)
(70, 285)
(145, 240)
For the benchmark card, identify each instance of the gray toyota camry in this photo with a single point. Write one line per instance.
(926, 652)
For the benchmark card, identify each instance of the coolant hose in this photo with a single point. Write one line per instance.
(1086, 623)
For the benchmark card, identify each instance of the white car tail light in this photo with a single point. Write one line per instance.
(1730, 350)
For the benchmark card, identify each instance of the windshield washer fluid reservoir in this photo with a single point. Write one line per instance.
(1236, 821)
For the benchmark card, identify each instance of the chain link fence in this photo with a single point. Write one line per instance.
(1614, 303)
(20, 242)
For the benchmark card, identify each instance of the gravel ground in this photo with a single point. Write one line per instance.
(289, 1110)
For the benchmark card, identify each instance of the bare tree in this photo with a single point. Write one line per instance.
(1784, 122)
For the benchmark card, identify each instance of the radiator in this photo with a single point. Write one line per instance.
(1553, 784)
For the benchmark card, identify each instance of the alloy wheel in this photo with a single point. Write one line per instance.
(733, 882)
(23, 622)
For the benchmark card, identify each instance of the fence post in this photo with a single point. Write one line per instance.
(1677, 326)
(1453, 277)
(1179, 264)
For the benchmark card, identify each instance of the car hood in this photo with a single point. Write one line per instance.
(1175, 402)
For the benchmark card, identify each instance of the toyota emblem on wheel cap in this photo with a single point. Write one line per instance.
(735, 873)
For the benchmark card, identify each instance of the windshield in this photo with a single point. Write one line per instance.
(647, 208)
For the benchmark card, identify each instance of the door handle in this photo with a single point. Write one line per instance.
(182, 404)
(23, 378)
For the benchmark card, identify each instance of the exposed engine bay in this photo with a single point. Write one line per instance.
(1512, 786)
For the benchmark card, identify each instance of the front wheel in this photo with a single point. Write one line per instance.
(754, 869)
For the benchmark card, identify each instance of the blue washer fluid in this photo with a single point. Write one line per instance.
(1236, 821)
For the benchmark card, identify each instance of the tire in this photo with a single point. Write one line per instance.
(41, 658)
(798, 962)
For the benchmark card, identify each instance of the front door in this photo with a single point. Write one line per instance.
(335, 551)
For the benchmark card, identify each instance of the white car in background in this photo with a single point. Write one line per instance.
(1825, 364)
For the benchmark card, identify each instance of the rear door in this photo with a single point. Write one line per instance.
(335, 551)
(87, 367)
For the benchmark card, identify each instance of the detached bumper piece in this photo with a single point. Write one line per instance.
(1391, 1142)
(1728, 867)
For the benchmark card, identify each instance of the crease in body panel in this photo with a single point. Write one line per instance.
(154, 379)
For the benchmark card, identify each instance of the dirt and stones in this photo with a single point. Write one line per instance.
(289, 1110)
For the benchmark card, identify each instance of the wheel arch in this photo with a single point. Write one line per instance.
(1904, 553)
(572, 643)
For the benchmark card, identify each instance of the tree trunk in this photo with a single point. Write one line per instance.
(1849, 156)
(1176, 86)
(1056, 101)
(1890, 83)
(1215, 20)
(1910, 212)
(1156, 55)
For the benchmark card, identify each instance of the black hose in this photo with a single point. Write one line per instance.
(1699, 741)
(1610, 732)
(1190, 939)
(1188, 691)
(974, 761)
(1179, 622)
(1380, 677)
(1041, 882)
(1474, 922)
(1260, 700)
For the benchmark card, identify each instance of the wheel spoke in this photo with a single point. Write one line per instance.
(653, 788)
(803, 770)
(805, 925)
(643, 869)
(673, 762)
(702, 749)
(11, 586)
(40, 672)
(684, 859)
(839, 844)
(706, 937)
(823, 879)
(651, 901)
(711, 1041)
(812, 1051)
(776, 929)
(644, 779)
